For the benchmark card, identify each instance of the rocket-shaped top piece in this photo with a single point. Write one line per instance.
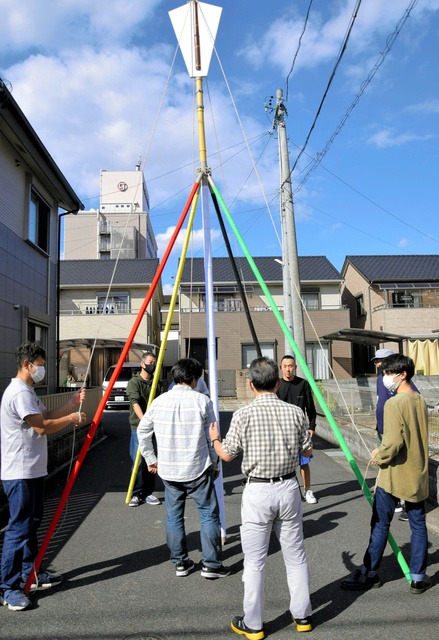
(196, 26)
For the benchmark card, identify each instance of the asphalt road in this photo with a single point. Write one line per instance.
(120, 583)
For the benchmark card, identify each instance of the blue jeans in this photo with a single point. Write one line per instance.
(383, 509)
(202, 490)
(20, 545)
(145, 481)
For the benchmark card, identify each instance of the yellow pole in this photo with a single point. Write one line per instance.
(165, 337)
(200, 117)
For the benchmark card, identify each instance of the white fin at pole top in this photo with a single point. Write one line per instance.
(183, 22)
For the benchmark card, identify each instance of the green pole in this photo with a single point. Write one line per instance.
(403, 564)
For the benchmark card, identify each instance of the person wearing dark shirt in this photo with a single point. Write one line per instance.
(138, 390)
(297, 391)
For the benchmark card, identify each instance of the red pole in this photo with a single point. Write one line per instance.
(105, 397)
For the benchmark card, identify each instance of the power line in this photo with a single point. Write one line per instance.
(389, 44)
(298, 49)
(347, 223)
(430, 237)
(339, 57)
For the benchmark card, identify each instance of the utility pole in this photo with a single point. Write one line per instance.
(293, 314)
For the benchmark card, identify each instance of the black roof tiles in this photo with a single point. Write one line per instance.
(396, 268)
(99, 272)
(311, 268)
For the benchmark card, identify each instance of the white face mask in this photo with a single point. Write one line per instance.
(388, 382)
(39, 374)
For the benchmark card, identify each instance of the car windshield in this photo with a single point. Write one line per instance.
(125, 374)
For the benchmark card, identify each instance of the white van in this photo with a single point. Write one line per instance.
(118, 396)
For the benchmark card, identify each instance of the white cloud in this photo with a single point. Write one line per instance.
(387, 138)
(195, 243)
(403, 242)
(323, 37)
(168, 289)
(428, 106)
(43, 23)
(96, 110)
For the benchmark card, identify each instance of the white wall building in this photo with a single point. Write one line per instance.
(121, 225)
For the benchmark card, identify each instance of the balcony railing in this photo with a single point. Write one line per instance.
(418, 305)
(257, 309)
(94, 309)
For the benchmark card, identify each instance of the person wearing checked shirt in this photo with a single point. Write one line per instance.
(271, 434)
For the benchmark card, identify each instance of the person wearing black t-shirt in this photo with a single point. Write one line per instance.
(295, 390)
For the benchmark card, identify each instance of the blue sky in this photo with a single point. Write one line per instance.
(90, 77)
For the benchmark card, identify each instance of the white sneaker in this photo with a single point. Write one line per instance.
(152, 500)
(310, 497)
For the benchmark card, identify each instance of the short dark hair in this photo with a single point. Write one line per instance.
(397, 364)
(146, 354)
(264, 374)
(29, 351)
(185, 370)
(287, 357)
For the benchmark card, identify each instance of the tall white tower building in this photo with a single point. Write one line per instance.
(121, 224)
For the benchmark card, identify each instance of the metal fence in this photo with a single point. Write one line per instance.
(358, 404)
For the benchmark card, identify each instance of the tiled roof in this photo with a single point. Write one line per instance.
(396, 268)
(311, 268)
(99, 272)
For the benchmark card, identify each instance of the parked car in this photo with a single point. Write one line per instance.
(118, 396)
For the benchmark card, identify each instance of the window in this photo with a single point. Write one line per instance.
(116, 303)
(404, 298)
(38, 333)
(311, 301)
(249, 353)
(39, 222)
(359, 305)
(317, 360)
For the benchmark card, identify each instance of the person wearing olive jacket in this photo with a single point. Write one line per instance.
(403, 461)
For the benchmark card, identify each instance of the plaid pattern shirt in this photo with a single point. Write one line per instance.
(180, 420)
(270, 433)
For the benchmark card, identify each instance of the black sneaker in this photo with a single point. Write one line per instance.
(404, 516)
(303, 624)
(238, 625)
(184, 568)
(360, 582)
(215, 572)
(422, 585)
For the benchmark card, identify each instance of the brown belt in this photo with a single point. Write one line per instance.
(287, 476)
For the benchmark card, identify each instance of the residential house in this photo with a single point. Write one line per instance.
(395, 295)
(320, 289)
(94, 316)
(32, 189)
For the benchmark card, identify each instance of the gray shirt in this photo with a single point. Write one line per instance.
(23, 451)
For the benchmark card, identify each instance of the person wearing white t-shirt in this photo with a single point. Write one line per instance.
(25, 424)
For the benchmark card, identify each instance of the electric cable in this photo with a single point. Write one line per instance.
(389, 44)
(297, 50)
(339, 57)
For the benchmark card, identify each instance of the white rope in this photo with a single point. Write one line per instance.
(330, 368)
(247, 144)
